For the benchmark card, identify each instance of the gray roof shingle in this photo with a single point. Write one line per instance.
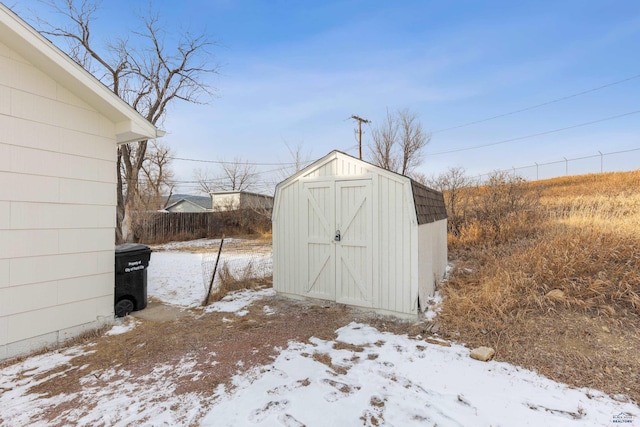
(429, 203)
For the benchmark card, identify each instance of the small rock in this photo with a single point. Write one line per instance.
(435, 328)
(483, 354)
(605, 329)
(438, 342)
(555, 295)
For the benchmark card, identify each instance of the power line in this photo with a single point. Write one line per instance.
(564, 98)
(535, 134)
(223, 162)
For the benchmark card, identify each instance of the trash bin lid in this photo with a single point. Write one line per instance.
(132, 247)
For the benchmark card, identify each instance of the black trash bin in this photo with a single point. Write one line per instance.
(132, 260)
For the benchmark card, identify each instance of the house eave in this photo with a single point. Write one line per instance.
(42, 53)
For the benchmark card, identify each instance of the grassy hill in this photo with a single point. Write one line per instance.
(548, 273)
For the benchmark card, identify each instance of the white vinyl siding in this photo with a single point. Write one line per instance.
(57, 209)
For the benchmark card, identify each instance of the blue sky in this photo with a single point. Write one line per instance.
(295, 71)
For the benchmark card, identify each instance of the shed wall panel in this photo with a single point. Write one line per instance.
(440, 253)
(394, 236)
(426, 267)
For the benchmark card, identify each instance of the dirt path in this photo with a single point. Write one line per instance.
(215, 345)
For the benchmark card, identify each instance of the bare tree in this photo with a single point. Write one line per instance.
(385, 138)
(157, 181)
(398, 144)
(205, 180)
(504, 199)
(455, 185)
(146, 74)
(237, 175)
(299, 158)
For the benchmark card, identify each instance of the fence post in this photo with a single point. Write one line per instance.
(600, 161)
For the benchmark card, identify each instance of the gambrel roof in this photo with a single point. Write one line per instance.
(429, 203)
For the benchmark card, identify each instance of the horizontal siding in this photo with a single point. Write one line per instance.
(26, 133)
(59, 267)
(28, 215)
(87, 192)
(55, 318)
(85, 288)
(29, 188)
(41, 295)
(5, 100)
(57, 207)
(30, 106)
(89, 146)
(25, 243)
(26, 78)
(4, 336)
(4, 273)
(32, 161)
(5, 215)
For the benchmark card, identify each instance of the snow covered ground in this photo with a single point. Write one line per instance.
(364, 377)
(182, 278)
(396, 381)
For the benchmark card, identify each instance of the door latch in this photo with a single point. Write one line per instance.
(337, 238)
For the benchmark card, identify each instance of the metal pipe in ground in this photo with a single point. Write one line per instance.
(213, 276)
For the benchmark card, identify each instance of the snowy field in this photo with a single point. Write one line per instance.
(384, 379)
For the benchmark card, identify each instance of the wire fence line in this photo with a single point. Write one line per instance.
(562, 167)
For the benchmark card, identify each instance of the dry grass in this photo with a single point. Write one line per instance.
(210, 340)
(539, 291)
(230, 281)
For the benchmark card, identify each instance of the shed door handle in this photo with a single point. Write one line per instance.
(337, 238)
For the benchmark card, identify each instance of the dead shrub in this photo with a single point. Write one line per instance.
(577, 260)
(230, 280)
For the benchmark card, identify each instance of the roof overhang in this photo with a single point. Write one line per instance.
(130, 126)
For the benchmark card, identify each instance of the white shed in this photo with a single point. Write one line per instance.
(348, 231)
(59, 127)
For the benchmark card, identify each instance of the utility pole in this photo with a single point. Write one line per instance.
(360, 122)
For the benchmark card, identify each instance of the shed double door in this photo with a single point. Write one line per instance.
(337, 240)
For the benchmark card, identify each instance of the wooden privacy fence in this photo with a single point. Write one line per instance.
(159, 227)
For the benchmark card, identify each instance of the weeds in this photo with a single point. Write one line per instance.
(567, 259)
(248, 276)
